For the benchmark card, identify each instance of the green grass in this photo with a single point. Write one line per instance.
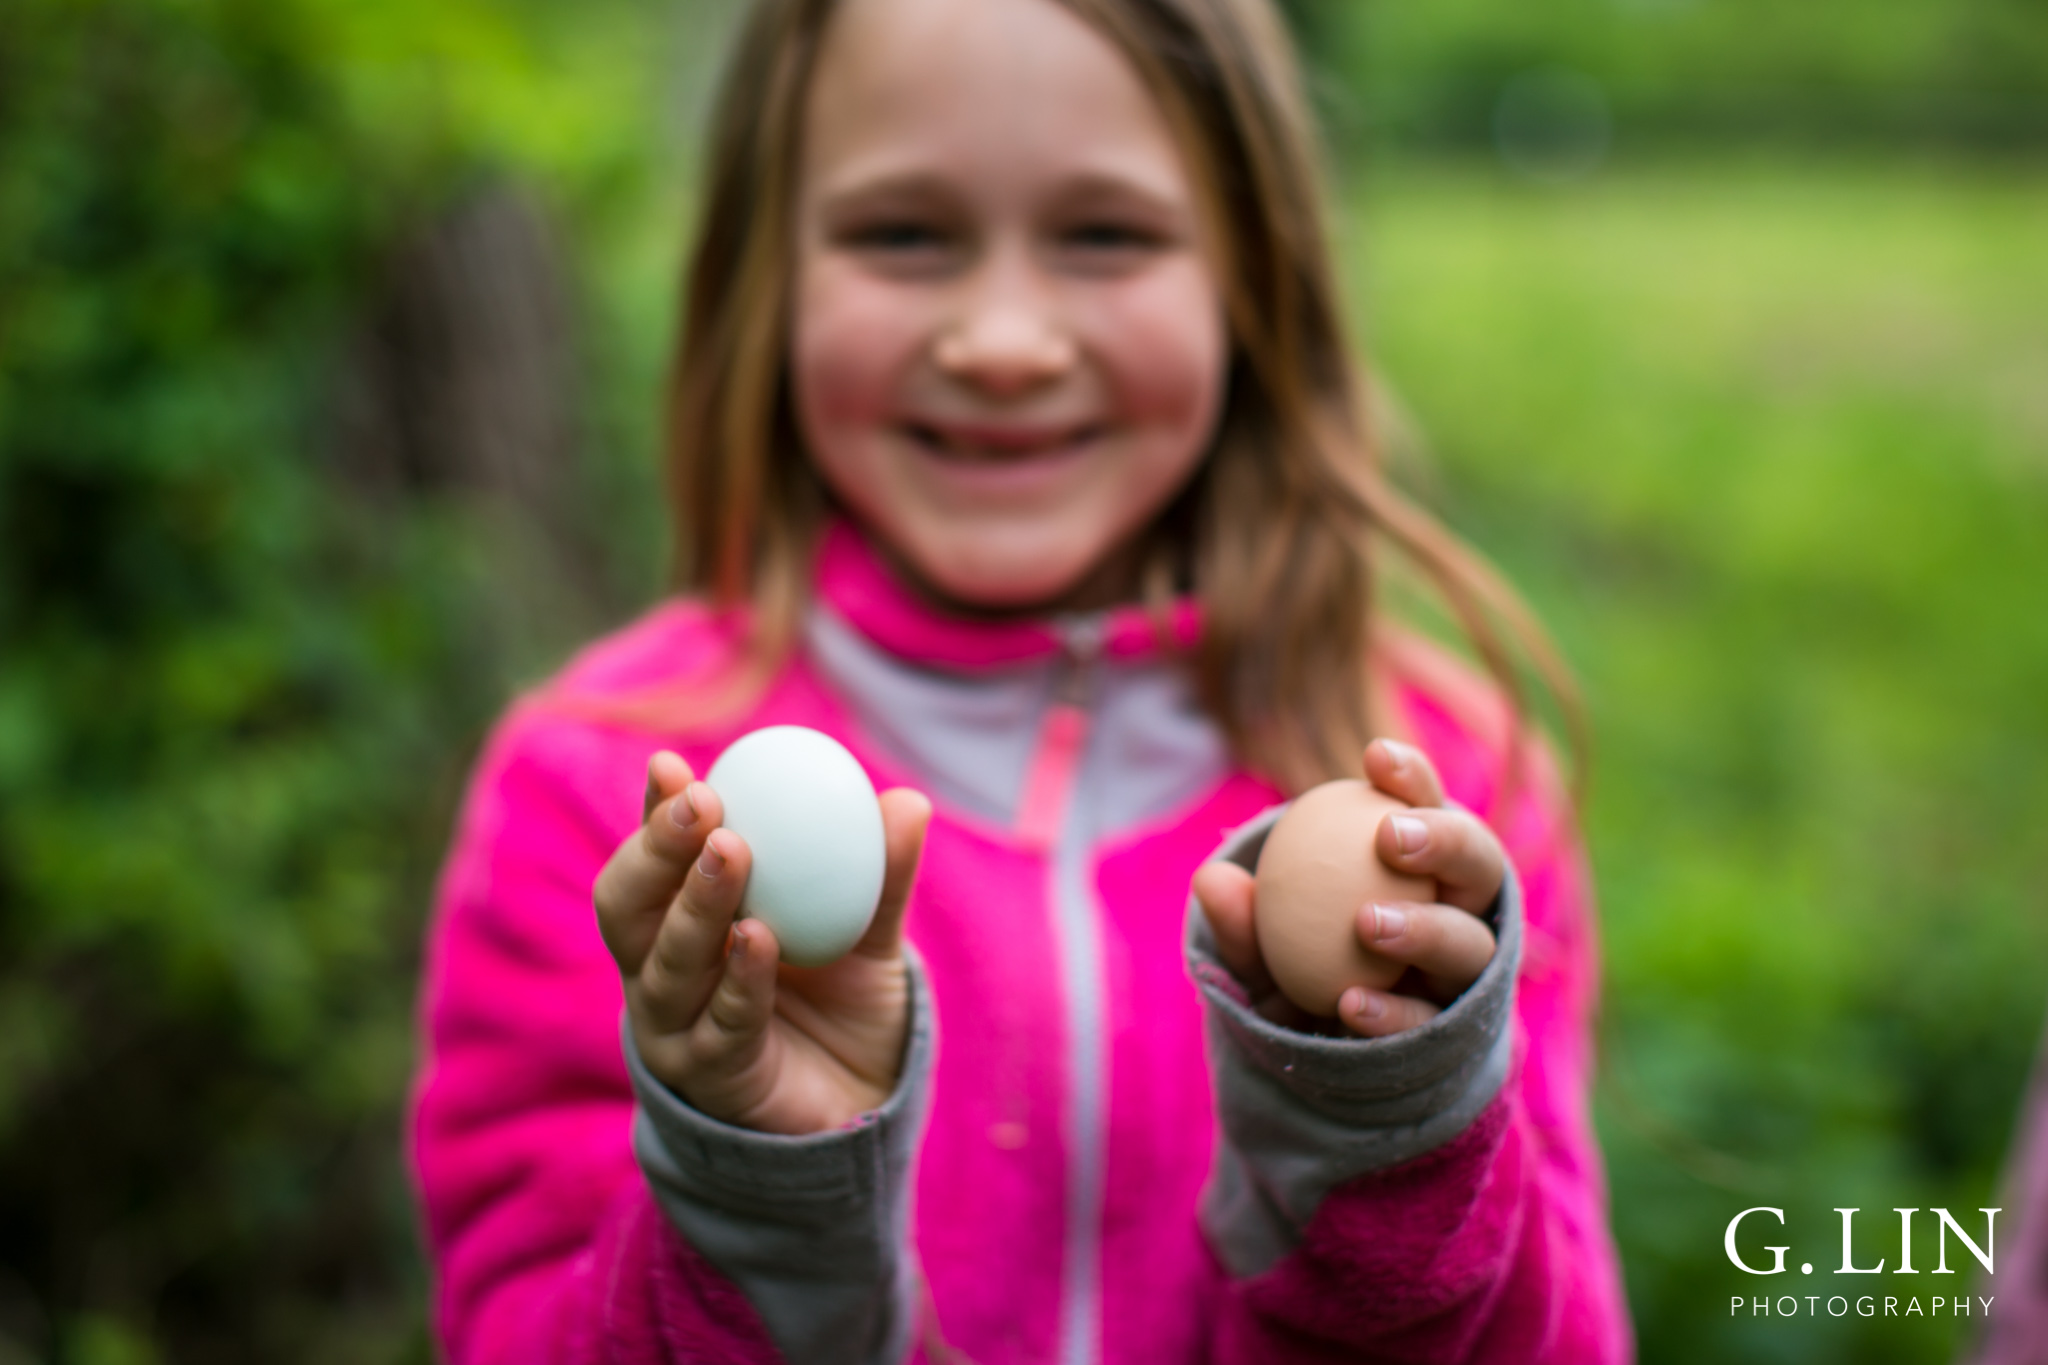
(1768, 448)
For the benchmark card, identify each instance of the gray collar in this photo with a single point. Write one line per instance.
(970, 738)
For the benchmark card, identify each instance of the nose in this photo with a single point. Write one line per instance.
(1007, 339)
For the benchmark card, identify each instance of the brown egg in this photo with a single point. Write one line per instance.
(1318, 868)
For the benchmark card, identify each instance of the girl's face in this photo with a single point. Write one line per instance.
(1009, 342)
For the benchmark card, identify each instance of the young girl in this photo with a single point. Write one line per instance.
(1016, 446)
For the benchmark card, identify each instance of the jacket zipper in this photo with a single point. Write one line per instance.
(1062, 741)
(1048, 816)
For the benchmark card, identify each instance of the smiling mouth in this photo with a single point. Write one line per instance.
(996, 448)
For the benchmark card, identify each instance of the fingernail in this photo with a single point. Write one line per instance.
(710, 862)
(739, 942)
(683, 811)
(1387, 922)
(1410, 834)
(1399, 752)
(1370, 1005)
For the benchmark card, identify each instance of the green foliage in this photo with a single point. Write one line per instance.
(1431, 73)
(234, 701)
(1767, 447)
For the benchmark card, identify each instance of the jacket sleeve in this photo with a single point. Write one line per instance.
(1435, 1196)
(814, 1229)
(552, 1239)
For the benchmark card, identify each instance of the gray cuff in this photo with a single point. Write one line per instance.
(1302, 1114)
(814, 1230)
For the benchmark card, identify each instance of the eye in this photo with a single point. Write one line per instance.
(895, 235)
(1108, 236)
(1107, 245)
(903, 244)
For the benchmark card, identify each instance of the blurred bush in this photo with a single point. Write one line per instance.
(1875, 74)
(269, 507)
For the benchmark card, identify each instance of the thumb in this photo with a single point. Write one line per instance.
(906, 815)
(1225, 892)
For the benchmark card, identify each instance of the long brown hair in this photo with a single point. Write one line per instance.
(1290, 504)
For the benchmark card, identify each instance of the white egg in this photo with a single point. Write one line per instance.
(810, 817)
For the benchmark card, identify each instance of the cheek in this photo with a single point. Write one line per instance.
(852, 337)
(1165, 342)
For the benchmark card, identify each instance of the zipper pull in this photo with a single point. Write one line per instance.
(1062, 738)
(1081, 640)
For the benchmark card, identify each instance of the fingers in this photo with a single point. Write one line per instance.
(681, 969)
(667, 774)
(635, 888)
(906, 817)
(1404, 772)
(1451, 846)
(1449, 947)
(1377, 1014)
(715, 1063)
(1224, 891)
(729, 1033)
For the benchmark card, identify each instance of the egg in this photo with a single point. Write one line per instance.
(811, 819)
(1317, 869)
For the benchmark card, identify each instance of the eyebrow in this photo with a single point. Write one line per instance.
(1085, 186)
(899, 185)
(1092, 185)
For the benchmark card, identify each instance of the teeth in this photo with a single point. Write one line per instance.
(947, 445)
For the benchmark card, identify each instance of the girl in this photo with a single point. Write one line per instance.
(1014, 443)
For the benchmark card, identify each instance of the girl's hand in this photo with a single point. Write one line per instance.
(1445, 946)
(716, 1017)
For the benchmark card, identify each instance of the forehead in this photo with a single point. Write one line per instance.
(1005, 93)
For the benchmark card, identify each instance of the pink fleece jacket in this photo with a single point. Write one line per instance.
(1066, 1197)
